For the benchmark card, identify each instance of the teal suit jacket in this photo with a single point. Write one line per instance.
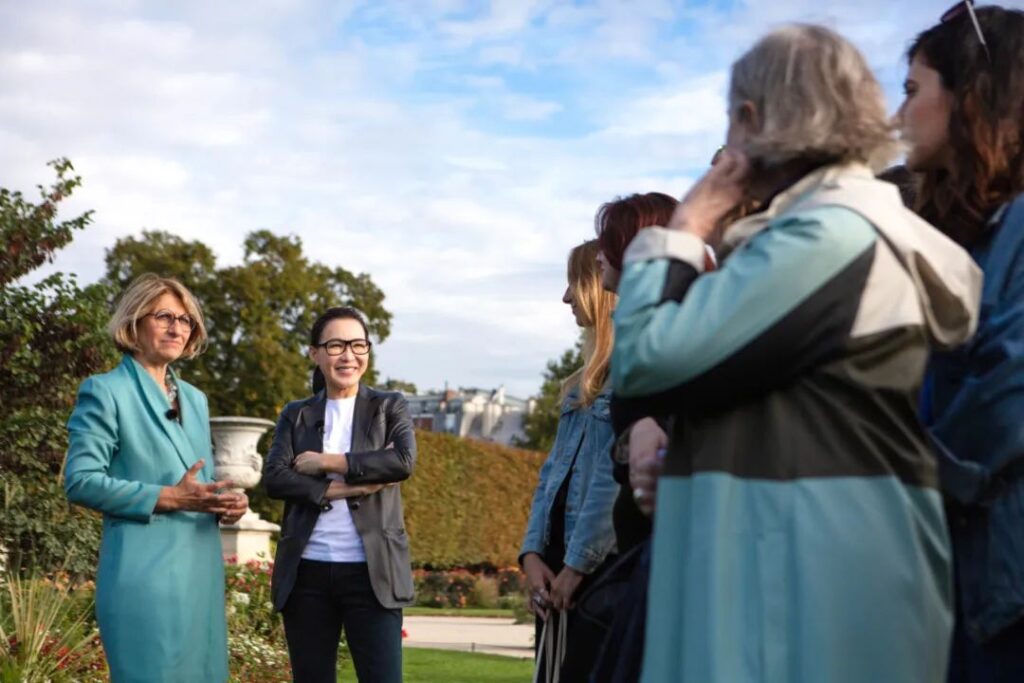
(160, 581)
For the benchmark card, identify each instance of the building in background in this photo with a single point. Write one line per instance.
(490, 415)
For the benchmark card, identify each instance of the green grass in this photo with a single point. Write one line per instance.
(446, 666)
(458, 612)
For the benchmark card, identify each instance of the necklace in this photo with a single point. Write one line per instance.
(172, 389)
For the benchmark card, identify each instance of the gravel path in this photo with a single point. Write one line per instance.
(470, 634)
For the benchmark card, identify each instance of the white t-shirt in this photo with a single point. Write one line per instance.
(335, 538)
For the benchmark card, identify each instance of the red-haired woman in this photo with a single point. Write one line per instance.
(617, 223)
(640, 438)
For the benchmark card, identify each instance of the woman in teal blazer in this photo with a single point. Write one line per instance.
(139, 441)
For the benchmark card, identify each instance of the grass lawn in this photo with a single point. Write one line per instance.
(446, 666)
(457, 612)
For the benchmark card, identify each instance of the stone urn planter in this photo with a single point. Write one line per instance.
(235, 458)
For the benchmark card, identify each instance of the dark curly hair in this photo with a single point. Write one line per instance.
(986, 124)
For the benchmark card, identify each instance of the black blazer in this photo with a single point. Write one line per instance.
(379, 419)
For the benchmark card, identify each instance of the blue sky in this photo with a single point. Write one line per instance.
(454, 150)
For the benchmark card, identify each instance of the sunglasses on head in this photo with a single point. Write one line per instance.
(959, 9)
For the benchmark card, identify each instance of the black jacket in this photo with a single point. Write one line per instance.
(380, 419)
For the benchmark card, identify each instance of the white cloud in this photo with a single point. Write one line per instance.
(425, 143)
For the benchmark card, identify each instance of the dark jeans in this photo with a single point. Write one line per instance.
(328, 596)
(582, 645)
(1000, 660)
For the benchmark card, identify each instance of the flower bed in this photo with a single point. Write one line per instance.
(460, 588)
(48, 631)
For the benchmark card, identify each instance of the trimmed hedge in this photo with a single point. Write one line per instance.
(468, 501)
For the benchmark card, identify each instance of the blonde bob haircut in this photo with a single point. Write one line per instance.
(596, 306)
(816, 99)
(137, 301)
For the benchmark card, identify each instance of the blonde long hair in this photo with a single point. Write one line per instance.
(596, 306)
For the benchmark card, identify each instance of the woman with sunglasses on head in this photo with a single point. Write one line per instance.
(798, 531)
(963, 119)
(139, 452)
(569, 533)
(343, 557)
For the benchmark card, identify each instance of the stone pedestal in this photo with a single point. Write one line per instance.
(235, 458)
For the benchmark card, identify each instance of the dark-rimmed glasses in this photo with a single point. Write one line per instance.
(958, 10)
(336, 347)
(166, 319)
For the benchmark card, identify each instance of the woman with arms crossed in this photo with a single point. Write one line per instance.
(343, 557)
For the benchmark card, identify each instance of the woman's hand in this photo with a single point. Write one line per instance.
(189, 494)
(238, 508)
(339, 489)
(647, 444)
(717, 193)
(313, 463)
(538, 578)
(564, 587)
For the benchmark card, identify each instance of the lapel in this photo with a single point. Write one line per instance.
(156, 401)
(362, 419)
(194, 425)
(311, 416)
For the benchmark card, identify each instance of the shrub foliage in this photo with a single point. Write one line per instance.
(51, 338)
(468, 501)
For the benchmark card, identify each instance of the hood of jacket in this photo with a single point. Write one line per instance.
(947, 280)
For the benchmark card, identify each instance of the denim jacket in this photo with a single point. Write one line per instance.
(589, 536)
(973, 404)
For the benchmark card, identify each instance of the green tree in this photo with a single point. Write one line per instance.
(51, 338)
(259, 315)
(542, 424)
(30, 233)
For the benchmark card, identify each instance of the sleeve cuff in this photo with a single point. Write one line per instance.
(657, 243)
(150, 497)
(582, 562)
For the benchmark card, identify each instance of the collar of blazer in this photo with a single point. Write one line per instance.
(367, 400)
(155, 399)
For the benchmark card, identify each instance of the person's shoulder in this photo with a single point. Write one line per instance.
(109, 381)
(385, 396)
(293, 407)
(833, 227)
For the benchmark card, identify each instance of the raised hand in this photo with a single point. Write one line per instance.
(717, 193)
(190, 494)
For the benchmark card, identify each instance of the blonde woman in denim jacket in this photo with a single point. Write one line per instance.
(570, 532)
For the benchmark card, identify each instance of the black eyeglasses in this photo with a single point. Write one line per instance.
(166, 319)
(958, 10)
(336, 347)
